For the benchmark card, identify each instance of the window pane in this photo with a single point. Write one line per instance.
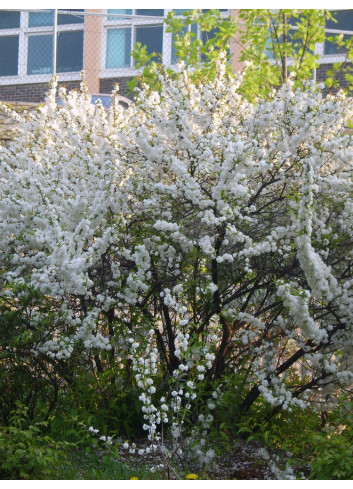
(332, 48)
(152, 38)
(118, 48)
(154, 12)
(73, 18)
(127, 11)
(184, 30)
(37, 19)
(206, 36)
(296, 44)
(40, 53)
(180, 11)
(8, 55)
(70, 51)
(9, 20)
(344, 20)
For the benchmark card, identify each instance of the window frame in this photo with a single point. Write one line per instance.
(24, 32)
(134, 21)
(131, 22)
(333, 57)
(325, 58)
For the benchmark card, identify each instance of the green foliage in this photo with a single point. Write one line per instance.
(25, 451)
(331, 456)
(274, 43)
(323, 452)
(278, 43)
(342, 70)
(33, 380)
(91, 465)
(200, 53)
(104, 400)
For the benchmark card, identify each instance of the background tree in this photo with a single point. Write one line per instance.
(273, 44)
(282, 41)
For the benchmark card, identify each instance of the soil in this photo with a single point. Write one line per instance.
(243, 461)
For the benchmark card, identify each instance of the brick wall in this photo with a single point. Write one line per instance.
(33, 92)
(106, 85)
(321, 73)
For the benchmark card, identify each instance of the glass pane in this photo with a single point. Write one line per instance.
(40, 54)
(206, 36)
(152, 38)
(186, 28)
(344, 20)
(73, 18)
(296, 43)
(127, 11)
(332, 48)
(9, 20)
(118, 48)
(8, 55)
(37, 19)
(148, 12)
(180, 11)
(70, 51)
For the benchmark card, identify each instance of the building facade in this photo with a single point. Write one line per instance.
(100, 42)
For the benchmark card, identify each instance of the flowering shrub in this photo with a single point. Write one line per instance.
(190, 236)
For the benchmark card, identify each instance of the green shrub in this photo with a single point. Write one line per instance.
(27, 453)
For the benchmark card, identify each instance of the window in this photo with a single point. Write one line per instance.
(9, 20)
(9, 42)
(187, 28)
(69, 53)
(344, 20)
(332, 48)
(207, 36)
(37, 19)
(153, 12)
(118, 48)
(204, 36)
(71, 18)
(151, 37)
(123, 12)
(344, 23)
(40, 54)
(276, 39)
(295, 44)
(125, 28)
(26, 44)
(8, 55)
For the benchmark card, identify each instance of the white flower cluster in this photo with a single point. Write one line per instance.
(225, 225)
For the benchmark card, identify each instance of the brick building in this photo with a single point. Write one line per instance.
(100, 42)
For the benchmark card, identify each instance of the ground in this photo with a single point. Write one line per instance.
(242, 461)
